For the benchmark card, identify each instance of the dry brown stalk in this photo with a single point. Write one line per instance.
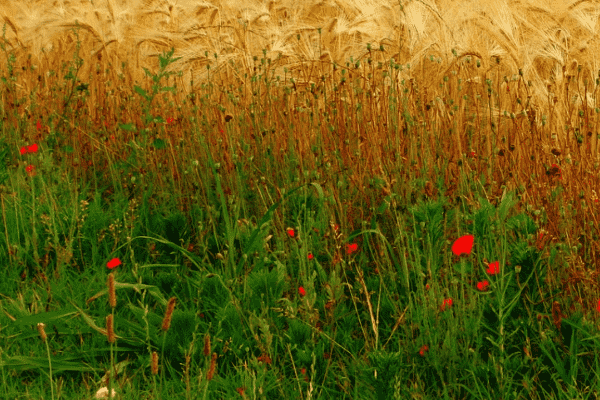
(41, 329)
(168, 314)
(110, 329)
(556, 315)
(154, 363)
(213, 365)
(206, 349)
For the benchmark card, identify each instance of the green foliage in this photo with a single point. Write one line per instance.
(267, 287)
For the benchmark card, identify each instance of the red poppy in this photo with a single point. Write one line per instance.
(302, 291)
(115, 262)
(424, 348)
(447, 302)
(463, 244)
(493, 268)
(351, 248)
(29, 149)
(472, 154)
(169, 120)
(30, 170)
(310, 256)
(290, 232)
(482, 286)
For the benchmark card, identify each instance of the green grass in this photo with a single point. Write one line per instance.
(354, 305)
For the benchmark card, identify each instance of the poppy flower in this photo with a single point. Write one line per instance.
(115, 262)
(351, 248)
(310, 256)
(463, 244)
(290, 232)
(302, 291)
(424, 348)
(30, 170)
(29, 149)
(493, 268)
(447, 302)
(482, 286)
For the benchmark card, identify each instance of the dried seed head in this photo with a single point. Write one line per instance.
(112, 298)
(102, 393)
(154, 363)
(211, 369)
(110, 329)
(206, 349)
(168, 314)
(556, 315)
(42, 331)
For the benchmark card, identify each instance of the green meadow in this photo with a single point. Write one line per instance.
(239, 205)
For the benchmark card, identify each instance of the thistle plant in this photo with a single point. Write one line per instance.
(164, 60)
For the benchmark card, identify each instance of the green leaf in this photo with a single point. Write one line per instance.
(142, 92)
(168, 89)
(159, 144)
(127, 127)
(59, 363)
(44, 317)
(465, 267)
(148, 73)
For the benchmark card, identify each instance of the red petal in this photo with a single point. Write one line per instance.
(493, 268)
(115, 262)
(463, 244)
